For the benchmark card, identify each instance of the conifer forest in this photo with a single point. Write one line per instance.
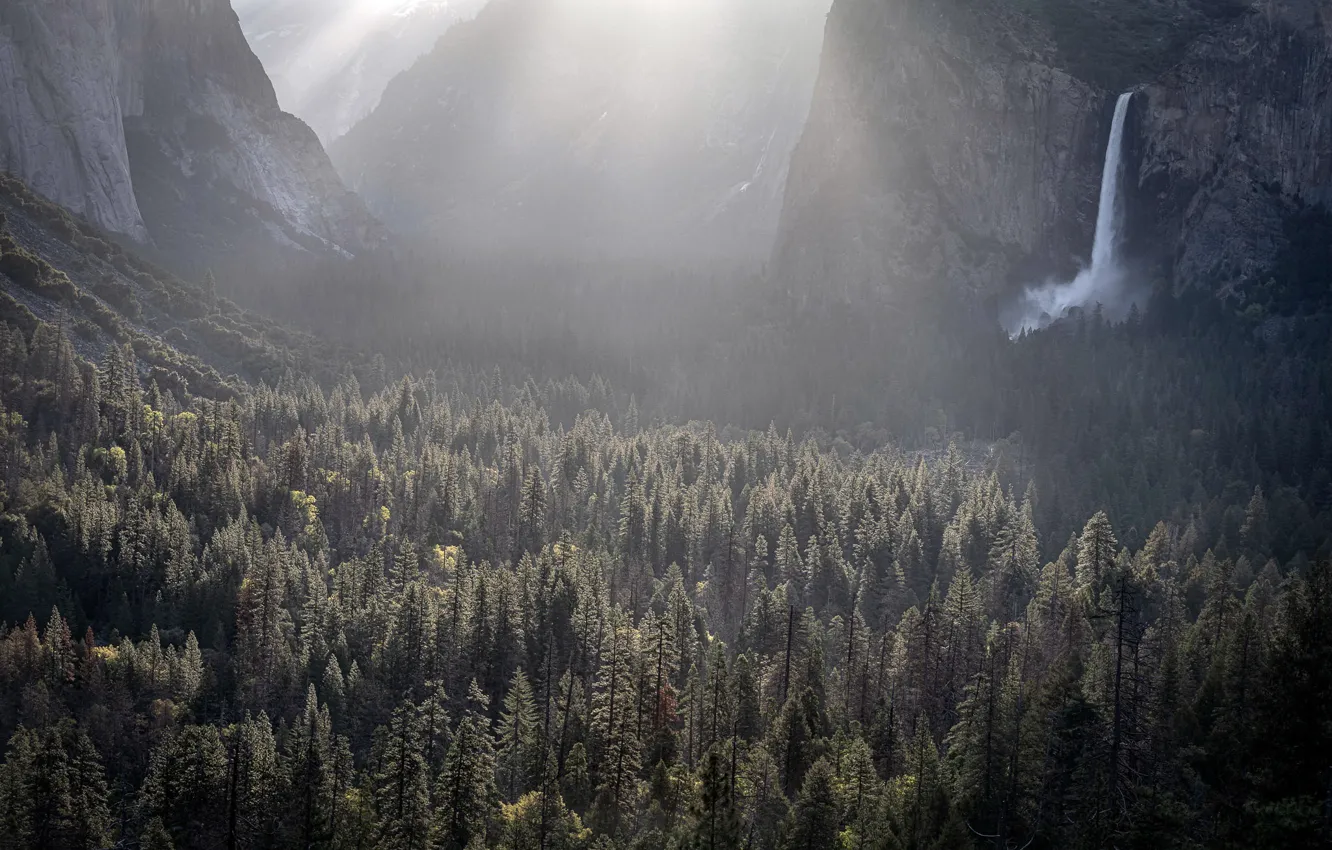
(427, 614)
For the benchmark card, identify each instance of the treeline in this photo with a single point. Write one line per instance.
(1176, 415)
(419, 617)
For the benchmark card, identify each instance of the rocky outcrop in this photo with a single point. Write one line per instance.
(154, 119)
(957, 147)
(1235, 144)
(944, 145)
(634, 130)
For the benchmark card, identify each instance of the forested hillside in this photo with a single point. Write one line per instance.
(430, 613)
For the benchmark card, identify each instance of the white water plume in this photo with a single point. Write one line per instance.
(1103, 281)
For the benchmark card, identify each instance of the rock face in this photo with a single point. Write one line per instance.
(61, 126)
(583, 129)
(943, 143)
(1236, 146)
(957, 147)
(330, 60)
(154, 119)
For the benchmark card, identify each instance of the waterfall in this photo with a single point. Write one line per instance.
(1102, 281)
(1108, 218)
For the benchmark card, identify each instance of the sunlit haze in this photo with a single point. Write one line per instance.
(330, 59)
(633, 129)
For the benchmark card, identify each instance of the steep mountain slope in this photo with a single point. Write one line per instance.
(155, 120)
(574, 128)
(66, 272)
(331, 59)
(958, 147)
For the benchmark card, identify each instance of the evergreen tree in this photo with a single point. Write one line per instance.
(814, 823)
(1097, 548)
(716, 825)
(401, 782)
(519, 745)
(1013, 565)
(468, 798)
(1294, 747)
(252, 783)
(53, 792)
(615, 726)
(310, 777)
(189, 787)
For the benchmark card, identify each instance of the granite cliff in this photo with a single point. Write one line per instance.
(154, 119)
(1234, 175)
(944, 142)
(957, 147)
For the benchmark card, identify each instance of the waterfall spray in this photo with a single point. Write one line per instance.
(1102, 280)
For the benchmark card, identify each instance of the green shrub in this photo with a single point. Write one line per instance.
(116, 293)
(23, 268)
(17, 314)
(85, 329)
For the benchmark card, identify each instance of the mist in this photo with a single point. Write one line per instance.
(330, 60)
(579, 130)
(1106, 282)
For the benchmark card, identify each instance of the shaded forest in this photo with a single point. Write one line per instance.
(428, 614)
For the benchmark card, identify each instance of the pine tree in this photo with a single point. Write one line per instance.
(187, 787)
(532, 512)
(1254, 532)
(310, 780)
(1013, 565)
(615, 725)
(791, 566)
(1294, 747)
(53, 793)
(576, 783)
(187, 673)
(861, 793)
(716, 824)
(815, 821)
(794, 735)
(1097, 548)
(980, 745)
(468, 798)
(252, 783)
(263, 624)
(401, 782)
(520, 747)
